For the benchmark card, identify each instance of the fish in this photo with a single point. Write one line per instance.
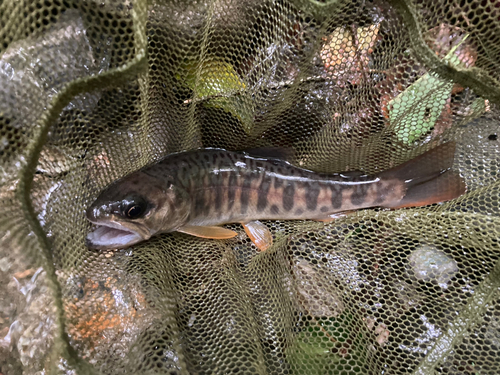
(196, 192)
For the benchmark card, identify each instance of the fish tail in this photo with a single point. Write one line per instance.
(427, 178)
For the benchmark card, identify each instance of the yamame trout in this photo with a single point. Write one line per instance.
(195, 192)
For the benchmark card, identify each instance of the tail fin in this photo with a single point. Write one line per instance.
(428, 178)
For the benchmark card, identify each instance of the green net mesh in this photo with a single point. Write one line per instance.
(93, 90)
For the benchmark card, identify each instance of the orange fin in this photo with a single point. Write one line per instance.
(428, 178)
(217, 233)
(259, 234)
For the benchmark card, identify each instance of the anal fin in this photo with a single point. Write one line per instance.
(218, 233)
(259, 234)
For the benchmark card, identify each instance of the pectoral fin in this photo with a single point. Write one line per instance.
(259, 234)
(217, 233)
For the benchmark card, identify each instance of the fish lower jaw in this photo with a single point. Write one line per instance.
(107, 237)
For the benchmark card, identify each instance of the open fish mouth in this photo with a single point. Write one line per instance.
(112, 236)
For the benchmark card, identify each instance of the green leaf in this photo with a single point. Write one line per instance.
(313, 350)
(415, 111)
(217, 84)
(311, 355)
(237, 107)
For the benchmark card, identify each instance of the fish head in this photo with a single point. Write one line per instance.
(135, 208)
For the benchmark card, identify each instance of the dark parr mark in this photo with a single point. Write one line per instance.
(245, 191)
(218, 197)
(288, 196)
(324, 209)
(312, 193)
(278, 182)
(199, 202)
(216, 191)
(264, 187)
(275, 210)
(207, 198)
(382, 191)
(336, 196)
(231, 192)
(358, 195)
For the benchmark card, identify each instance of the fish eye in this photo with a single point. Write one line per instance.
(134, 209)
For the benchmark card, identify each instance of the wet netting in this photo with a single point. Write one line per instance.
(93, 90)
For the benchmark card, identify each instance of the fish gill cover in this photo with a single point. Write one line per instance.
(91, 91)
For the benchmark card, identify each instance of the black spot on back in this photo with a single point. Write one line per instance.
(275, 210)
(324, 209)
(299, 211)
